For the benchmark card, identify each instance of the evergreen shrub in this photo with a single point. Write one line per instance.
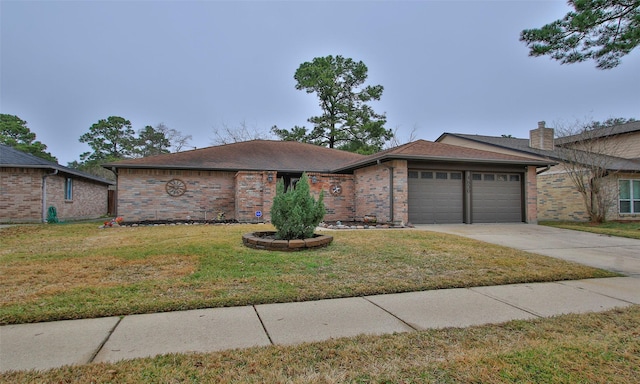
(296, 214)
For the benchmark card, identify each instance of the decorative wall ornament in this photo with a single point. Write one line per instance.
(175, 187)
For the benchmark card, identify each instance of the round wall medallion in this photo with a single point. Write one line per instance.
(336, 189)
(176, 187)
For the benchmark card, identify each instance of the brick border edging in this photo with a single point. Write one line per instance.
(256, 240)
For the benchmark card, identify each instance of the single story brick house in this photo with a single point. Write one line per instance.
(30, 185)
(418, 182)
(617, 149)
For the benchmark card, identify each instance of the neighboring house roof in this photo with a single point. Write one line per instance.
(14, 158)
(600, 132)
(430, 151)
(522, 145)
(256, 155)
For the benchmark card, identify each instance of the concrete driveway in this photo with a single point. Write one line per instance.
(616, 254)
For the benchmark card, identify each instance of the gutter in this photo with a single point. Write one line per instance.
(365, 163)
(44, 194)
(390, 189)
(545, 169)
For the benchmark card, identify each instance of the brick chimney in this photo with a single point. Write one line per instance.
(542, 138)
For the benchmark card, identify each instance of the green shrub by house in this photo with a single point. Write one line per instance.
(296, 214)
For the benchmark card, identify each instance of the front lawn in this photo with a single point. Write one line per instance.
(612, 228)
(72, 271)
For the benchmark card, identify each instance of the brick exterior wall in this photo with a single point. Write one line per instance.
(89, 199)
(531, 195)
(542, 138)
(338, 206)
(254, 192)
(21, 196)
(558, 198)
(142, 195)
(372, 192)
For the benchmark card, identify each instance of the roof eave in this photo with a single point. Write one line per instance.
(443, 160)
(201, 168)
(59, 169)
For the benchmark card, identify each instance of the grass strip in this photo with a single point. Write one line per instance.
(630, 229)
(580, 348)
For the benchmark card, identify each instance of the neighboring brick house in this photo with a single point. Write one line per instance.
(30, 185)
(558, 198)
(419, 182)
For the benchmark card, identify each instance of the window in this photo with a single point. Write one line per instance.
(441, 175)
(514, 177)
(489, 177)
(456, 176)
(629, 196)
(412, 174)
(476, 176)
(68, 189)
(426, 175)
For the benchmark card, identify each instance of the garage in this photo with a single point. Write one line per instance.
(440, 197)
(496, 198)
(435, 197)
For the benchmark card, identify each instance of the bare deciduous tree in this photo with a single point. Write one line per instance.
(396, 141)
(584, 148)
(176, 138)
(227, 134)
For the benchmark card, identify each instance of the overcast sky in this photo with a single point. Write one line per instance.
(446, 66)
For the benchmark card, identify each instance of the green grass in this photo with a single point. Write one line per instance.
(612, 228)
(587, 348)
(54, 272)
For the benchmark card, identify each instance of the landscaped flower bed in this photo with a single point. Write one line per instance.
(266, 240)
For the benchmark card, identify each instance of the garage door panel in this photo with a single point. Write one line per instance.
(496, 198)
(433, 199)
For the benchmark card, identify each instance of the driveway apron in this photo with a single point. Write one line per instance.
(615, 254)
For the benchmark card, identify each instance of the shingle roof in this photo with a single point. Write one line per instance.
(282, 156)
(14, 158)
(522, 145)
(292, 156)
(427, 150)
(601, 132)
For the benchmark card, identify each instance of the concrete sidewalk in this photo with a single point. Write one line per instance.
(49, 345)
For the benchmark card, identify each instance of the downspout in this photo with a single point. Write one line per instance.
(115, 193)
(390, 189)
(44, 194)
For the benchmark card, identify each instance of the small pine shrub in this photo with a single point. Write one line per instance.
(296, 214)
